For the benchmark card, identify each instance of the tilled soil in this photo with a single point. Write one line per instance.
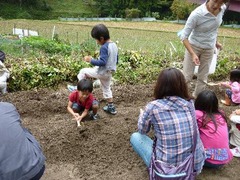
(99, 150)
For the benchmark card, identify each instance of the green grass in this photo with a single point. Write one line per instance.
(59, 8)
(139, 39)
(71, 8)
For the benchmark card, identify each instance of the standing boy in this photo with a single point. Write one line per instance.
(82, 100)
(105, 65)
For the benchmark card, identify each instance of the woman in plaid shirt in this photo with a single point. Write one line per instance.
(173, 119)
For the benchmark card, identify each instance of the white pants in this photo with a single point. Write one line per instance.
(105, 79)
(3, 87)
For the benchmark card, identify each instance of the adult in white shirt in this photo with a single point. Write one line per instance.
(199, 37)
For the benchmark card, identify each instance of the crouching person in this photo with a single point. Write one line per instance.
(82, 102)
(21, 157)
(176, 151)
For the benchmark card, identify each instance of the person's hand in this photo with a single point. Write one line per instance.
(87, 58)
(237, 112)
(225, 84)
(77, 117)
(219, 45)
(141, 112)
(196, 60)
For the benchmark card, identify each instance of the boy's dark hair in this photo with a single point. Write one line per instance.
(85, 85)
(235, 75)
(171, 82)
(2, 56)
(100, 30)
(207, 102)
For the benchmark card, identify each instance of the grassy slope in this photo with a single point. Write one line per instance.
(70, 6)
(60, 8)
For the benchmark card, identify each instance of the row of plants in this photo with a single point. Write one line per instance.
(43, 63)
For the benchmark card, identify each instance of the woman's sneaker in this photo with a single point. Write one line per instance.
(236, 151)
(110, 108)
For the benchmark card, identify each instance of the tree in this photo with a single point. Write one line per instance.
(181, 8)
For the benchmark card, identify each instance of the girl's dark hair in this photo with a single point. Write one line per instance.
(235, 75)
(207, 102)
(171, 82)
(85, 85)
(100, 30)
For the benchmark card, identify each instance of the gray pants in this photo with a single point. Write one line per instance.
(205, 56)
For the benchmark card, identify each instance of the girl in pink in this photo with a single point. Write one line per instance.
(213, 130)
(232, 94)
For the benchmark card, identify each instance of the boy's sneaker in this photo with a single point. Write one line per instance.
(71, 88)
(95, 117)
(110, 108)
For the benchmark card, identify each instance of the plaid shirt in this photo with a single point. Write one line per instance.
(173, 127)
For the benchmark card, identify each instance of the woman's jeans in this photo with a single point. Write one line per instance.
(142, 145)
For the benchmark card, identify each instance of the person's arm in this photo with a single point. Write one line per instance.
(144, 120)
(225, 84)
(84, 113)
(199, 115)
(102, 60)
(188, 46)
(188, 28)
(76, 116)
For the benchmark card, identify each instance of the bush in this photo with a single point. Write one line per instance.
(132, 13)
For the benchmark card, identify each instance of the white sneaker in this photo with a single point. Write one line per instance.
(71, 88)
(235, 151)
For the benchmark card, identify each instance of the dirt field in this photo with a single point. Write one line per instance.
(100, 150)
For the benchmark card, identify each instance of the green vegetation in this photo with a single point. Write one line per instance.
(48, 9)
(53, 9)
(37, 62)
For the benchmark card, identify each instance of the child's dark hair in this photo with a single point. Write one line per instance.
(207, 102)
(100, 30)
(235, 75)
(171, 82)
(85, 85)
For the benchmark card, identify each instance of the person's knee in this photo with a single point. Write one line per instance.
(134, 137)
(81, 75)
(95, 107)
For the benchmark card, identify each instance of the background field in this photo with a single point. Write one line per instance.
(140, 36)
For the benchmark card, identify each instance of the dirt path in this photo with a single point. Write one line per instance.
(101, 149)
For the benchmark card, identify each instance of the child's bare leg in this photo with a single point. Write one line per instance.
(227, 101)
(110, 100)
(95, 109)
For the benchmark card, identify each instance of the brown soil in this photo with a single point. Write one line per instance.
(100, 150)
